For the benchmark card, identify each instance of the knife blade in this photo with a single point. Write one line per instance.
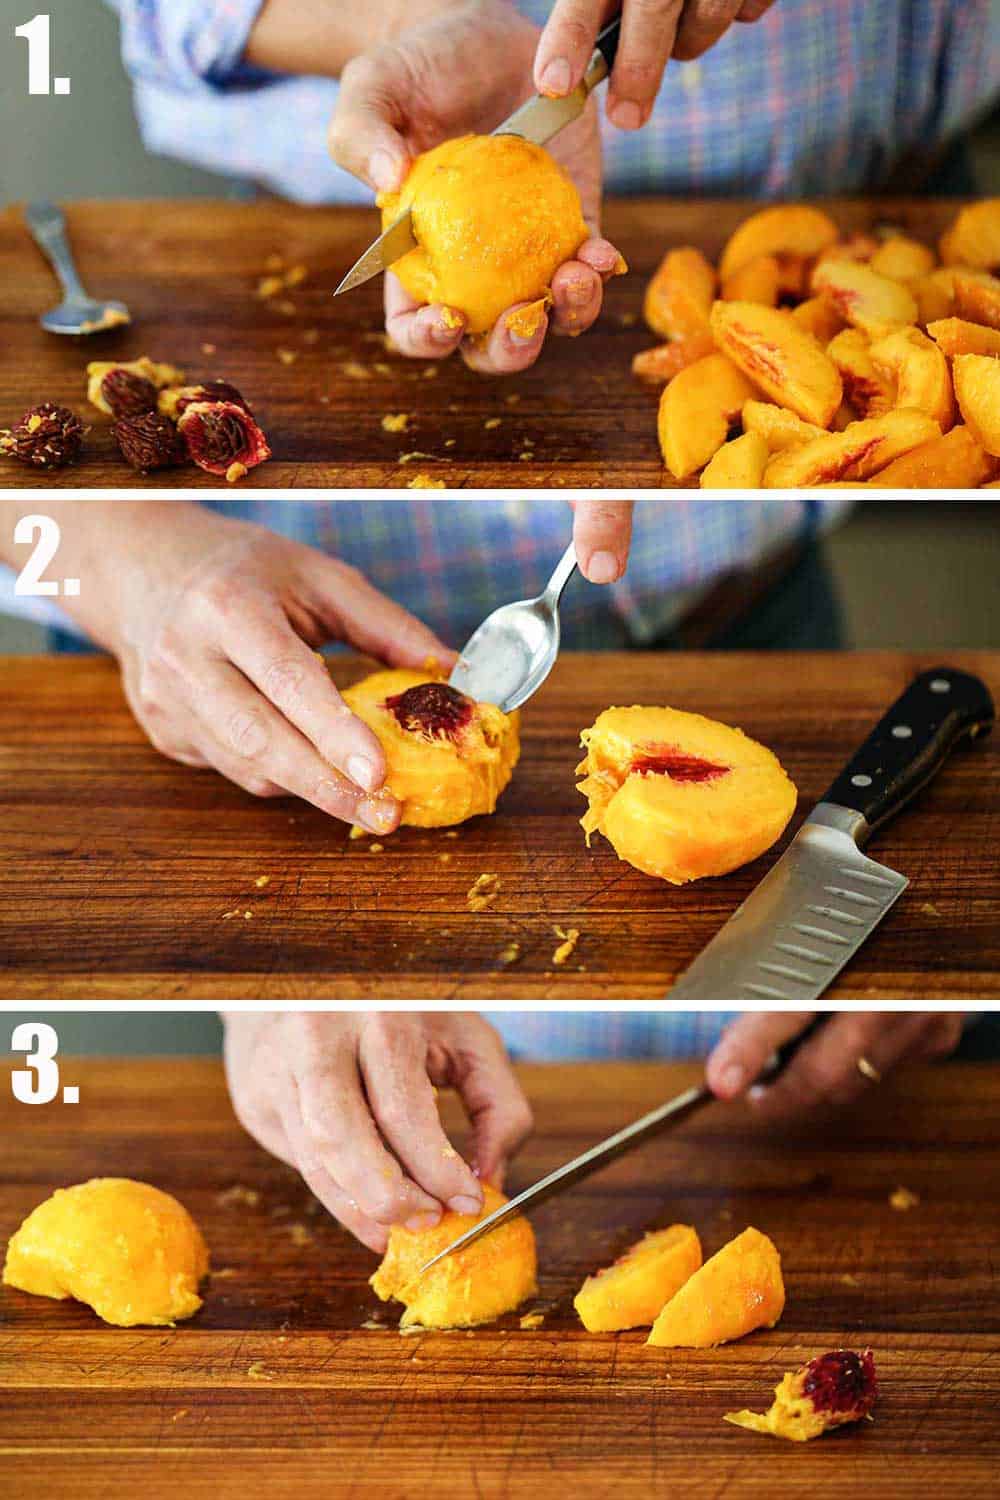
(813, 910)
(675, 1110)
(537, 120)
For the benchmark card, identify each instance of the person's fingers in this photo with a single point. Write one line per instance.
(577, 293)
(746, 1045)
(647, 41)
(343, 1208)
(602, 533)
(505, 351)
(752, 10)
(566, 45)
(420, 331)
(345, 600)
(364, 136)
(701, 25)
(939, 1037)
(494, 1101)
(601, 256)
(393, 1061)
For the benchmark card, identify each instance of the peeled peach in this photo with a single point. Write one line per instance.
(630, 1293)
(779, 427)
(494, 216)
(759, 280)
(914, 364)
(977, 297)
(866, 300)
(861, 450)
(448, 758)
(659, 366)
(787, 363)
(977, 388)
(128, 1250)
(902, 259)
(680, 796)
(696, 411)
(679, 297)
(490, 1277)
(869, 390)
(819, 317)
(738, 1290)
(954, 462)
(738, 465)
(787, 229)
(957, 336)
(974, 238)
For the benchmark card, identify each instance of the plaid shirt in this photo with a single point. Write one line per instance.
(819, 97)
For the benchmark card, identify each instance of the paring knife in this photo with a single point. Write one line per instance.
(616, 1145)
(810, 914)
(538, 120)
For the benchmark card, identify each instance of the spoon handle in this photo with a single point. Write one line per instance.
(565, 568)
(48, 226)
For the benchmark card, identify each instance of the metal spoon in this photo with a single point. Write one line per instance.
(79, 313)
(509, 657)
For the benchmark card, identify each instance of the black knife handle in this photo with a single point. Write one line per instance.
(607, 41)
(912, 742)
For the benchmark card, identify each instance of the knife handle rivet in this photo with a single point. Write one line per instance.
(940, 685)
(861, 781)
(901, 731)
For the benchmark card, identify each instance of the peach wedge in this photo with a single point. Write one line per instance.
(860, 451)
(902, 259)
(977, 387)
(974, 238)
(659, 366)
(779, 427)
(738, 465)
(866, 300)
(630, 1293)
(679, 297)
(868, 390)
(977, 297)
(758, 281)
(953, 462)
(738, 1290)
(696, 411)
(957, 336)
(819, 317)
(787, 363)
(915, 365)
(787, 229)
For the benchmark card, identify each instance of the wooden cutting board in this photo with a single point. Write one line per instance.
(190, 271)
(118, 867)
(277, 1386)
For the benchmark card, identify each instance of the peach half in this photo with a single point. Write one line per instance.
(448, 758)
(126, 1249)
(861, 450)
(788, 229)
(977, 387)
(490, 1277)
(697, 409)
(953, 462)
(679, 296)
(680, 796)
(780, 357)
(738, 1290)
(631, 1292)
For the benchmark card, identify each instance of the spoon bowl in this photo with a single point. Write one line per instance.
(79, 313)
(86, 317)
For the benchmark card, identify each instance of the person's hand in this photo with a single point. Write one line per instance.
(602, 535)
(349, 1102)
(850, 1054)
(216, 628)
(466, 71)
(653, 31)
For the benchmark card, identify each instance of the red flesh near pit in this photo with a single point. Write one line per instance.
(668, 760)
(432, 708)
(842, 1383)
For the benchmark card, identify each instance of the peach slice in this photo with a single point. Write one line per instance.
(490, 1277)
(659, 366)
(828, 1392)
(818, 317)
(915, 365)
(935, 295)
(957, 336)
(779, 427)
(974, 238)
(857, 246)
(679, 297)
(696, 411)
(738, 1290)
(738, 465)
(977, 297)
(787, 229)
(866, 300)
(903, 259)
(680, 796)
(857, 453)
(954, 462)
(786, 362)
(869, 392)
(757, 281)
(977, 387)
(630, 1293)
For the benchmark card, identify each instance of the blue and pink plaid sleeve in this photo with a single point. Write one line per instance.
(185, 44)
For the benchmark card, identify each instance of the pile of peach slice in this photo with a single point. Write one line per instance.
(808, 359)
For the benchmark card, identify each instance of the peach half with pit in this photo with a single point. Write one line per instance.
(780, 357)
(697, 409)
(739, 1289)
(875, 304)
(788, 229)
(679, 296)
(861, 450)
(448, 758)
(631, 1292)
(488, 1278)
(977, 388)
(680, 796)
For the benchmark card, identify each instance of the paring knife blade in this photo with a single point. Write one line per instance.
(537, 120)
(671, 1113)
(810, 914)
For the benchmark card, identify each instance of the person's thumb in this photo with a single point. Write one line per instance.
(364, 135)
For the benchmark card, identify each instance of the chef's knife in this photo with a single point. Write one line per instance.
(616, 1145)
(810, 914)
(538, 120)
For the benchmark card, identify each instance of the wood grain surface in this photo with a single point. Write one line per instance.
(117, 867)
(189, 271)
(277, 1386)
